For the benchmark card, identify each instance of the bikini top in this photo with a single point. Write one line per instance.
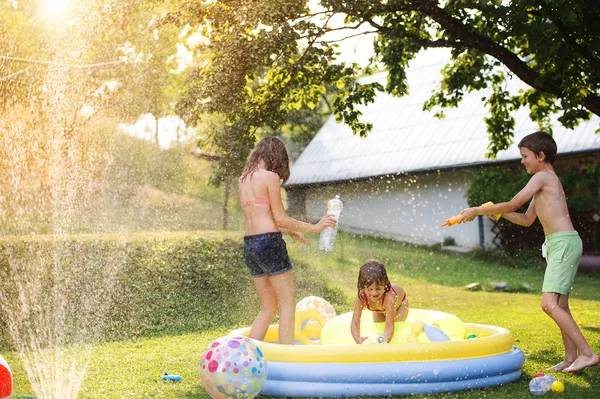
(258, 201)
(366, 300)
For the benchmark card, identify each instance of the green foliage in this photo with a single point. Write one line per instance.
(580, 180)
(496, 183)
(94, 288)
(448, 241)
(270, 57)
(111, 182)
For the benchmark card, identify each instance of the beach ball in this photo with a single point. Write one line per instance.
(320, 304)
(233, 367)
(541, 385)
(5, 379)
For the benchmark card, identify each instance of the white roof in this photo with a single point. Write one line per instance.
(406, 139)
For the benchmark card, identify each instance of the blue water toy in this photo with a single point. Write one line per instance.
(171, 377)
(435, 334)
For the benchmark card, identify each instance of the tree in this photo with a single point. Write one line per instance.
(272, 56)
(63, 80)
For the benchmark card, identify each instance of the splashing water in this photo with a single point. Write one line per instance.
(55, 295)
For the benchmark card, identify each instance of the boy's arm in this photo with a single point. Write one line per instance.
(523, 219)
(534, 185)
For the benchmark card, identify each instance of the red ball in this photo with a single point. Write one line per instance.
(5, 380)
(539, 375)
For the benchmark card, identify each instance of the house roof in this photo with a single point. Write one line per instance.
(406, 139)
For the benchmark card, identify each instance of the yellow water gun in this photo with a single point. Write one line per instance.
(456, 219)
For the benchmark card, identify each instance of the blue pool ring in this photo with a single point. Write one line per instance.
(391, 378)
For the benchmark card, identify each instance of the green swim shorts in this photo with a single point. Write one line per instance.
(562, 260)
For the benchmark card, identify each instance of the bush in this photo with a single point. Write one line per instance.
(90, 288)
(580, 180)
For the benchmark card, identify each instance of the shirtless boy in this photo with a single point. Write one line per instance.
(562, 248)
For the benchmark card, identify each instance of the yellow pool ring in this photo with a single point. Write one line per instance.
(337, 330)
(302, 318)
(492, 340)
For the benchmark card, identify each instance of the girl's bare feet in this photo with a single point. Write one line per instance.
(582, 362)
(561, 366)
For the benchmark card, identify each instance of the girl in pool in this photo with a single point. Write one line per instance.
(265, 252)
(386, 300)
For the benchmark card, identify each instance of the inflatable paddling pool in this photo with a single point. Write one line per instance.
(334, 366)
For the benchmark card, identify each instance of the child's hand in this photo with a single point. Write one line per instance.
(362, 339)
(494, 217)
(298, 237)
(468, 215)
(327, 221)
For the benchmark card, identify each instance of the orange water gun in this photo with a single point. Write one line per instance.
(456, 219)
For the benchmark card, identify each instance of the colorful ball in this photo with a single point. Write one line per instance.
(541, 385)
(558, 386)
(5, 379)
(233, 367)
(324, 307)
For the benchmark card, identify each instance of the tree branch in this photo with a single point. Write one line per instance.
(487, 46)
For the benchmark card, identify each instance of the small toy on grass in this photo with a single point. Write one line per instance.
(558, 386)
(456, 219)
(171, 377)
(541, 385)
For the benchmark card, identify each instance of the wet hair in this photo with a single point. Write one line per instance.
(371, 272)
(274, 152)
(540, 142)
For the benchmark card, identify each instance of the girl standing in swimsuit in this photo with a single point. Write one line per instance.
(265, 252)
(386, 300)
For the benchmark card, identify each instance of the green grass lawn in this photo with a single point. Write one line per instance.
(433, 280)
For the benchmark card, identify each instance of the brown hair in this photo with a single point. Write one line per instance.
(274, 152)
(540, 142)
(371, 272)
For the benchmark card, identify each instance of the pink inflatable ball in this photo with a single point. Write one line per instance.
(233, 367)
(5, 380)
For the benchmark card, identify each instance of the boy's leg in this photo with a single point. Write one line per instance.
(268, 308)
(565, 322)
(570, 348)
(283, 286)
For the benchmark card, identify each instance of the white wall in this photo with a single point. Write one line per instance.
(407, 208)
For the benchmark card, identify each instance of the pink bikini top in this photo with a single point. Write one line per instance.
(258, 201)
(384, 294)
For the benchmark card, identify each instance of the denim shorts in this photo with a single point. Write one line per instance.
(266, 254)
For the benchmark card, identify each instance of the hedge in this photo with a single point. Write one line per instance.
(89, 288)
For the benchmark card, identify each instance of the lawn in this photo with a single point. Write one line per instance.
(433, 279)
